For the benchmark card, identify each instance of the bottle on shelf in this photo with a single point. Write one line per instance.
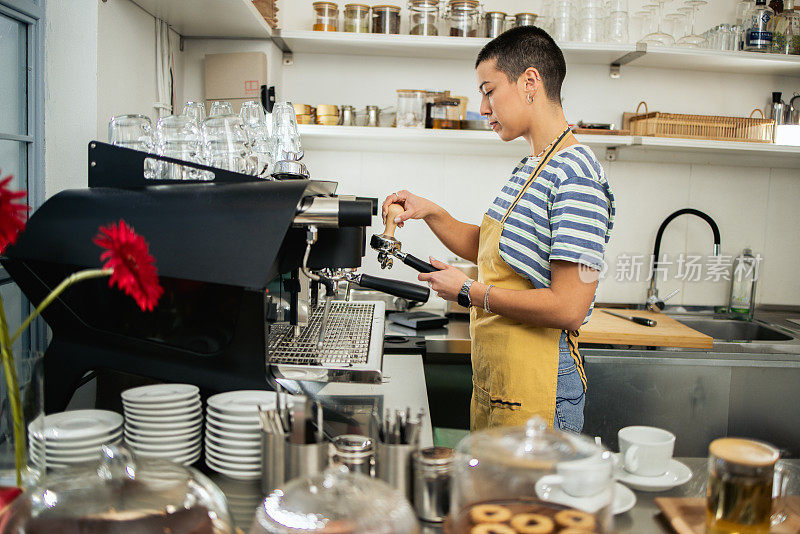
(786, 36)
(759, 27)
(743, 286)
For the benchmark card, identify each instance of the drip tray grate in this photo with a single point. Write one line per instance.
(346, 340)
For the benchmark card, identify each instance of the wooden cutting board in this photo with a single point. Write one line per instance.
(605, 328)
(688, 515)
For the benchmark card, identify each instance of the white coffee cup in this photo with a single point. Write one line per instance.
(585, 477)
(646, 450)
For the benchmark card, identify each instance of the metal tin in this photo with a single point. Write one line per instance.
(494, 23)
(347, 116)
(432, 482)
(373, 116)
(355, 452)
(393, 465)
(525, 19)
(307, 459)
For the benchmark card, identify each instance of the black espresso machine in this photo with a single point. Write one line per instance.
(244, 264)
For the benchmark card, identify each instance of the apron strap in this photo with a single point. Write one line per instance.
(545, 159)
(573, 351)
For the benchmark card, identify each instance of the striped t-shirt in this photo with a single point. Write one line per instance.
(566, 214)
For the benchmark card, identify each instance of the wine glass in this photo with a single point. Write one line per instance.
(658, 37)
(676, 23)
(692, 40)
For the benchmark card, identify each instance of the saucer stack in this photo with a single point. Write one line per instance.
(164, 421)
(233, 434)
(74, 437)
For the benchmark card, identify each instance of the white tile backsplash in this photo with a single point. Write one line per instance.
(779, 282)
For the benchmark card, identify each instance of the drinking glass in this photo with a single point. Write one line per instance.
(179, 137)
(692, 40)
(617, 21)
(658, 37)
(285, 142)
(257, 130)
(195, 110)
(676, 24)
(134, 132)
(220, 107)
(640, 24)
(226, 146)
(563, 21)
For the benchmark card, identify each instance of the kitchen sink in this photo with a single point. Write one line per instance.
(734, 331)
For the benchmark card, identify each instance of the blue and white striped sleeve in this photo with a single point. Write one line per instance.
(579, 221)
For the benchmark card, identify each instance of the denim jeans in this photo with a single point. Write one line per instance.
(570, 395)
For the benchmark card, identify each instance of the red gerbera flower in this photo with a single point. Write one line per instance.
(13, 214)
(128, 254)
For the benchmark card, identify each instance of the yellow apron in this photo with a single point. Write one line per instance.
(514, 365)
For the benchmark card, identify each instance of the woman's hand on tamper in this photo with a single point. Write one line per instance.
(414, 207)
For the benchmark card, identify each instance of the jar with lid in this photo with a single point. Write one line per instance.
(120, 494)
(525, 19)
(410, 108)
(529, 476)
(356, 18)
(424, 16)
(494, 23)
(463, 16)
(386, 19)
(326, 17)
(354, 452)
(335, 501)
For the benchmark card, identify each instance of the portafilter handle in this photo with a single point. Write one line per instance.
(404, 290)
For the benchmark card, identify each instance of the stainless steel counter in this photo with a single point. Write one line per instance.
(644, 518)
(746, 389)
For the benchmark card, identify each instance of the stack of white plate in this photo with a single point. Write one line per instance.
(75, 437)
(164, 421)
(233, 434)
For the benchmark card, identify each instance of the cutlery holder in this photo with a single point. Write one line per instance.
(304, 460)
(393, 465)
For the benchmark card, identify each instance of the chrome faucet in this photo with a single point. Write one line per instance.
(653, 303)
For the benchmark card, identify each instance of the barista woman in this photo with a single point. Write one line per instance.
(539, 248)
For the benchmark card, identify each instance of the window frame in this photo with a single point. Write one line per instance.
(31, 13)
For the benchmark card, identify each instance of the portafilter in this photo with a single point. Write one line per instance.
(387, 245)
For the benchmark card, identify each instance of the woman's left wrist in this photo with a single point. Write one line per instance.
(476, 292)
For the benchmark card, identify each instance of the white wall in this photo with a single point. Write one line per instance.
(753, 206)
(70, 91)
(126, 63)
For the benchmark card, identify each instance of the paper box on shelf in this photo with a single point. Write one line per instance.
(235, 77)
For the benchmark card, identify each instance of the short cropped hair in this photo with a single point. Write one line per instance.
(518, 49)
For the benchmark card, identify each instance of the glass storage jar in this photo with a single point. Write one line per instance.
(424, 16)
(335, 501)
(120, 494)
(386, 19)
(532, 476)
(356, 18)
(326, 17)
(410, 108)
(494, 22)
(463, 16)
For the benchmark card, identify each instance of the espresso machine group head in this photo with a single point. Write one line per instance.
(388, 246)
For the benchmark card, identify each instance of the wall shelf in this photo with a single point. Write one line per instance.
(210, 18)
(466, 48)
(477, 142)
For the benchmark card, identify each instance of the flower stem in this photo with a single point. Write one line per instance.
(68, 281)
(13, 395)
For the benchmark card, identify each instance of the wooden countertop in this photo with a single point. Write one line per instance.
(607, 329)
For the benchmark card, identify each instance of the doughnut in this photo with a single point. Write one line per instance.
(492, 528)
(575, 519)
(576, 531)
(489, 513)
(532, 524)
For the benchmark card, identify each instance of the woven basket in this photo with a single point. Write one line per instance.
(657, 124)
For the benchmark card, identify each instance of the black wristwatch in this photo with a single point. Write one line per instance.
(463, 295)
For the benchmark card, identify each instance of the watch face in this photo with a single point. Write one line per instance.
(463, 297)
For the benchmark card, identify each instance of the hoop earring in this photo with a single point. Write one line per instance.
(530, 98)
